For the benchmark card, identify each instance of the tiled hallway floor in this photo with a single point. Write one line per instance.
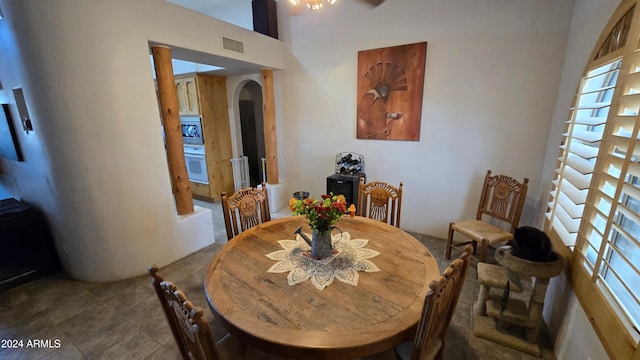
(123, 319)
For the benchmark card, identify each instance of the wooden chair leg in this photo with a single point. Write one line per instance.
(447, 250)
(484, 247)
(440, 354)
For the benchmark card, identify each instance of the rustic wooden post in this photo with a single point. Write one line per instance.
(270, 142)
(172, 129)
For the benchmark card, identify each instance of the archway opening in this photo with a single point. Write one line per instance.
(252, 130)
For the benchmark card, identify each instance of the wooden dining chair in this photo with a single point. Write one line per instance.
(380, 201)
(193, 333)
(245, 209)
(189, 328)
(437, 312)
(502, 199)
(439, 307)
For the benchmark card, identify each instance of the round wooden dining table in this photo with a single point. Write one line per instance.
(342, 321)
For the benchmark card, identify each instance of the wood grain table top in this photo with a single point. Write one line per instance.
(340, 322)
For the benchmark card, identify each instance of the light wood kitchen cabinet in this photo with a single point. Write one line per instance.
(187, 90)
(209, 94)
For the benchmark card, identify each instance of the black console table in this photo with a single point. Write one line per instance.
(26, 246)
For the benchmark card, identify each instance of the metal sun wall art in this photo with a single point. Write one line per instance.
(390, 83)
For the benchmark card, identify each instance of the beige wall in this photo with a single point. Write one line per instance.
(95, 162)
(491, 82)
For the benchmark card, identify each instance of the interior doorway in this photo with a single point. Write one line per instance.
(252, 129)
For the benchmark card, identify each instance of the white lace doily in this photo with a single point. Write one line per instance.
(344, 266)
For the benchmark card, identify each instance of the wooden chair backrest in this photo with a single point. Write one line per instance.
(439, 305)
(191, 331)
(503, 198)
(245, 209)
(380, 201)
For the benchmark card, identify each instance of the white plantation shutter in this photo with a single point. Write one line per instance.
(579, 150)
(594, 207)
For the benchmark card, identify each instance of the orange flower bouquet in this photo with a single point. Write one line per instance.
(322, 214)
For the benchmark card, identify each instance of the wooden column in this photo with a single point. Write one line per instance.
(269, 115)
(172, 129)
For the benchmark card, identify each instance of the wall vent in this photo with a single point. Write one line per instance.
(233, 45)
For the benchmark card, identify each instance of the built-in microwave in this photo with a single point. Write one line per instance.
(191, 130)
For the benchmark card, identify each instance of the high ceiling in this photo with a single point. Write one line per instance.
(218, 8)
(237, 12)
(206, 6)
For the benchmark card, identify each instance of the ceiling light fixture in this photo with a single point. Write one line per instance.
(313, 4)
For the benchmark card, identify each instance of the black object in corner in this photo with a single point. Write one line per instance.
(27, 251)
(265, 19)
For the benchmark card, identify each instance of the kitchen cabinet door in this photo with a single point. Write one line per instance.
(182, 96)
(187, 91)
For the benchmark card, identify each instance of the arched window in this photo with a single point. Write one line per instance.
(594, 211)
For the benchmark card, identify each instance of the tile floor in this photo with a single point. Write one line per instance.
(123, 319)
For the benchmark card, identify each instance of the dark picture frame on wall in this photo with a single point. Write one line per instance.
(9, 146)
(390, 83)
